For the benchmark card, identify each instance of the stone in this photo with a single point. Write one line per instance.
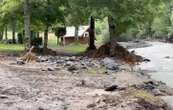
(59, 61)
(3, 97)
(73, 58)
(167, 57)
(91, 105)
(69, 63)
(42, 59)
(112, 88)
(110, 64)
(50, 69)
(157, 92)
(20, 62)
(72, 68)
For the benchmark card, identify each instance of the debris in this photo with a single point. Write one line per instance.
(146, 60)
(112, 88)
(3, 97)
(20, 62)
(117, 51)
(91, 105)
(50, 69)
(29, 56)
(72, 68)
(110, 64)
(167, 57)
(83, 82)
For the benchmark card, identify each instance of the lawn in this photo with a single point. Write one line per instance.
(17, 48)
(11, 48)
(52, 43)
(75, 48)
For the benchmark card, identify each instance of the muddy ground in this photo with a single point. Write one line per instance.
(47, 85)
(78, 83)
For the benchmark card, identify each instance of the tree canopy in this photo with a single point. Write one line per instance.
(135, 18)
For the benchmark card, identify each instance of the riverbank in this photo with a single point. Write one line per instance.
(160, 66)
(80, 83)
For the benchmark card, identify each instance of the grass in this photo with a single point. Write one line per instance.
(11, 48)
(75, 48)
(52, 43)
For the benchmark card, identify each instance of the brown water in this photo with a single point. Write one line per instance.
(160, 64)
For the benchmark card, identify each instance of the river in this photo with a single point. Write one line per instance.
(161, 65)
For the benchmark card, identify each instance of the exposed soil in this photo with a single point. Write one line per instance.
(50, 86)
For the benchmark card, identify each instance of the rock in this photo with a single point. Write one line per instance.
(69, 63)
(91, 105)
(109, 64)
(42, 59)
(73, 58)
(157, 92)
(146, 60)
(167, 57)
(83, 82)
(67, 59)
(20, 62)
(90, 64)
(84, 67)
(57, 68)
(40, 108)
(60, 61)
(112, 88)
(3, 97)
(72, 68)
(50, 69)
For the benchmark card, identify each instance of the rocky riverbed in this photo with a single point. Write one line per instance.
(77, 83)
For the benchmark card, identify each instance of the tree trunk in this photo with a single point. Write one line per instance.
(46, 37)
(38, 34)
(27, 24)
(1, 35)
(76, 33)
(112, 35)
(112, 28)
(13, 32)
(6, 33)
(92, 34)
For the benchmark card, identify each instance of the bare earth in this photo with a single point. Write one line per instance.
(29, 87)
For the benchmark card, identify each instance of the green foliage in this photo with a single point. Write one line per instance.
(11, 48)
(133, 18)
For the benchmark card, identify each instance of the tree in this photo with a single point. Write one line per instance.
(27, 23)
(78, 14)
(48, 12)
(92, 34)
(10, 14)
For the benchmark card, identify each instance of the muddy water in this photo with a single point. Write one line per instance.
(161, 65)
